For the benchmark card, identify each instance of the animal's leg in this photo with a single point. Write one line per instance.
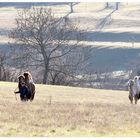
(131, 99)
(139, 95)
(32, 92)
(32, 97)
(136, 98)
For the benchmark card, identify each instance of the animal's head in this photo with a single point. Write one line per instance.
(27, 75)
(21, 79)
(131, 82)
(136, 78)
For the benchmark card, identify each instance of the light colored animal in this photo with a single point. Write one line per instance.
(137, 84)
(132, 91)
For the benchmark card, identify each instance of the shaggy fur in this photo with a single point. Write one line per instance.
(21, 79)
(29, 83)
(137, 84)
(134, 89)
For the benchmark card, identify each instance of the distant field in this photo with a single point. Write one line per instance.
(68, 111)
(114, 36)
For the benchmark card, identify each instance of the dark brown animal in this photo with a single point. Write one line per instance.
(29, 83)
(21, 79)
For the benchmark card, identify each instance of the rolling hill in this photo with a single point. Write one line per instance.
(113, 35)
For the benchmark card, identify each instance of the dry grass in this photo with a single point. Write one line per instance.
(73, 112)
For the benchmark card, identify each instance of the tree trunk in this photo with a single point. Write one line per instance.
(117, 5)
(0, 73)
(71, 7)
(46, 64)
(107, 5)
(0, 68)
(45, 77)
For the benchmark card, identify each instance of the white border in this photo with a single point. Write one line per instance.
(73, 138)
(69, 138)
(128, 1)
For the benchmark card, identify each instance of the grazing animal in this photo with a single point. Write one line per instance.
(30, 84)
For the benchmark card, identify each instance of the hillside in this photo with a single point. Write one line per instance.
(113, 35)
(71, 112)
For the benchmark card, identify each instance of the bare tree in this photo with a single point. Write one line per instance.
(44, 38)
(72, 4)
(64, 70)
(117, 5)
(71, 7)
(107, 5)
(2, 67)
(5, 71)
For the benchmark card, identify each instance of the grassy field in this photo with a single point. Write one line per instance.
(68, 111)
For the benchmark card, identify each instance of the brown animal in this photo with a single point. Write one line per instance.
(29, 83)
(21, 80)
